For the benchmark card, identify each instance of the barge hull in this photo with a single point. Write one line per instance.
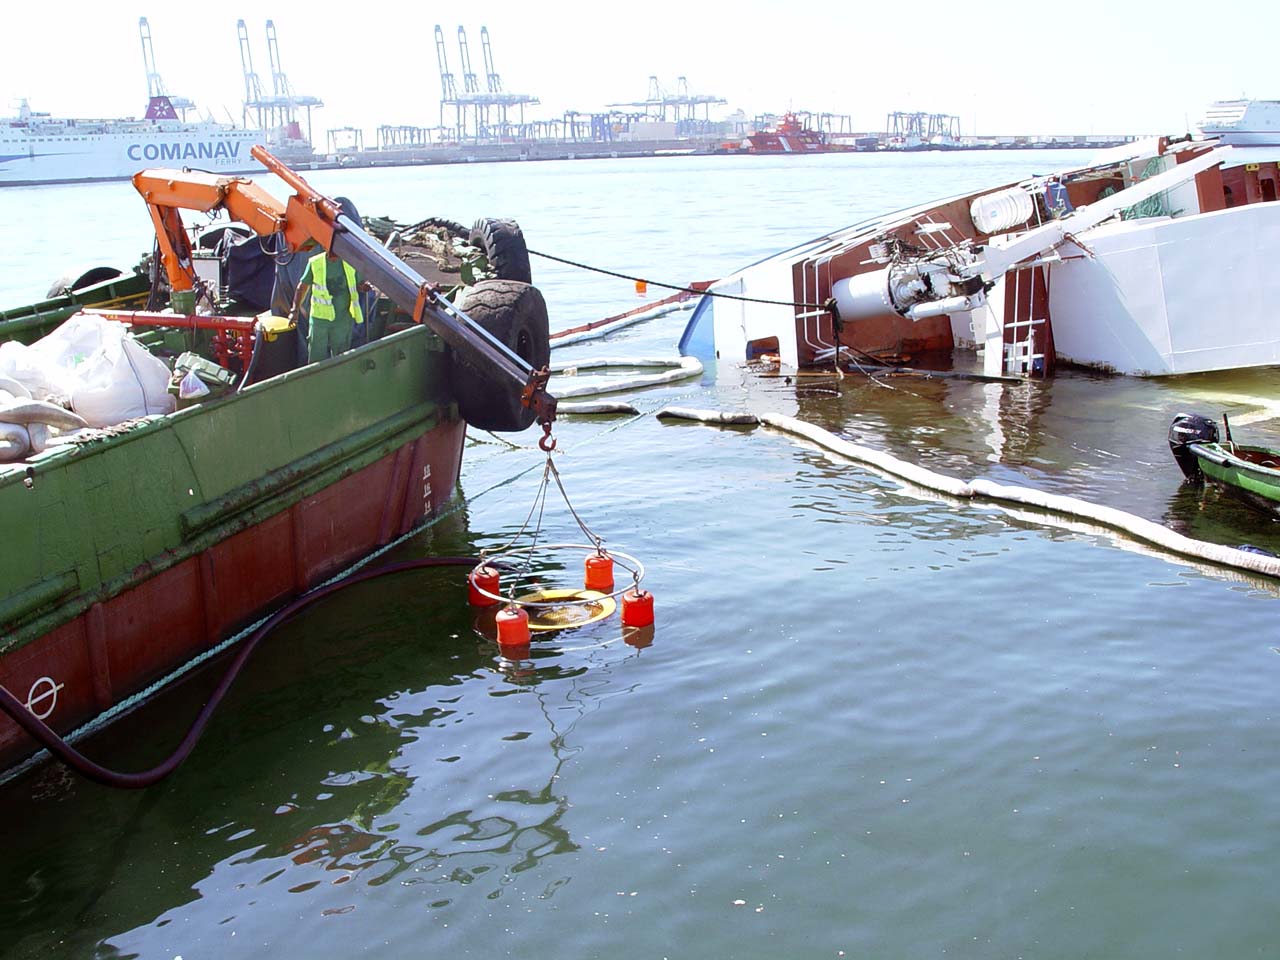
(141, 551)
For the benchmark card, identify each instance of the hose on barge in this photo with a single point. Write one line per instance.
(73, 758)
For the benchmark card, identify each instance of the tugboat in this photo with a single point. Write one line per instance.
(792, 136)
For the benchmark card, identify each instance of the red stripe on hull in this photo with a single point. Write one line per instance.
(118, 647)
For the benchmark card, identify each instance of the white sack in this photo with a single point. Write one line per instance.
(108, 375)
(33, 373)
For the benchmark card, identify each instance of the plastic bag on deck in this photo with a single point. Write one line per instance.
(192, 387)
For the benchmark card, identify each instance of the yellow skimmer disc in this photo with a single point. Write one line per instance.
(567, 608)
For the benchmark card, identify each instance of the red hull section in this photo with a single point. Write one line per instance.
(87, 665)
(793, 137)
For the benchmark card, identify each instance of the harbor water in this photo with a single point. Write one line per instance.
(870, 721)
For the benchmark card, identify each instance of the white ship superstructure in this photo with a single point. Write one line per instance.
(1243, 123)
(36, 148)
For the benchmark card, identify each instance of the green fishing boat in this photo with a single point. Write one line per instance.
(1250, 473)
(134, 547)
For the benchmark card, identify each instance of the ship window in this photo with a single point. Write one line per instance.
(1268, 188)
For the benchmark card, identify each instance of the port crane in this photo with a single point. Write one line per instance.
(288, 100)
(280, 108)
(474, 100)
(155, 86)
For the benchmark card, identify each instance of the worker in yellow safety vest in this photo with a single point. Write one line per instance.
(335, 305)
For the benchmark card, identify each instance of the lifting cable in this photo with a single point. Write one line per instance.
(538, 507)
(671, 286)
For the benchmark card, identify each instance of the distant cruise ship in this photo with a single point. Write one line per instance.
(1243, 123)
(36, 148)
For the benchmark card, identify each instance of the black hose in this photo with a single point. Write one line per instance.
(59, 747)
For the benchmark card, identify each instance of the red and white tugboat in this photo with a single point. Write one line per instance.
(792, 136)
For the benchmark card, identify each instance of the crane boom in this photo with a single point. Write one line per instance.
(252, 85)
(491, 75)
(307, 215)
(447, 89)
(470, 83)
(155, 86)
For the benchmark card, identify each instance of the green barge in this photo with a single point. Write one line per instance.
(132, 549)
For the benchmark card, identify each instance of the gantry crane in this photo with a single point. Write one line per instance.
(253, 97)
(155, 86)
(288, 101)
(475, 100)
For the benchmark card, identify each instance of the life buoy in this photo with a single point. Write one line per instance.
(515, 314)
(502, 243)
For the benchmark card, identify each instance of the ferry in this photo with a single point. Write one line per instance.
(37, 148)
(1243, 123)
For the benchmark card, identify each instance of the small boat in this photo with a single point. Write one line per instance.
(1151, 260)
(178, 475)
(1249, 473)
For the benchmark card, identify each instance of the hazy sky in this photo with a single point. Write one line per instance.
(1003, 67)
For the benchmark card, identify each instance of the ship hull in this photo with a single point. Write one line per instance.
(138, 553)
(29, 157)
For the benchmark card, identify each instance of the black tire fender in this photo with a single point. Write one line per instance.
(502, 243)
(516, 315)
(79, 279)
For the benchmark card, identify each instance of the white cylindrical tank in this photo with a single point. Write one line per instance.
(1002, 210)
(863, 296)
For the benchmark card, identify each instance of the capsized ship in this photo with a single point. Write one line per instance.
(1155, 259)
(132, 548)
(37, 148)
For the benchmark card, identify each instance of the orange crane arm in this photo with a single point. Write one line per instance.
(311, 215)
(308, 214)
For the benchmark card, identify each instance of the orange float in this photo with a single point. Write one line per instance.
(599, 572)
(483, 578)
(513, 628)
(637, 608)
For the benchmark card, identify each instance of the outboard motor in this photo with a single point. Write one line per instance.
(1186, 429)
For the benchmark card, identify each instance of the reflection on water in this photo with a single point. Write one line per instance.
(325, 776)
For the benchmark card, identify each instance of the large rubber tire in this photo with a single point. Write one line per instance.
(502, 243)
(80, 279)
(515, 314)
